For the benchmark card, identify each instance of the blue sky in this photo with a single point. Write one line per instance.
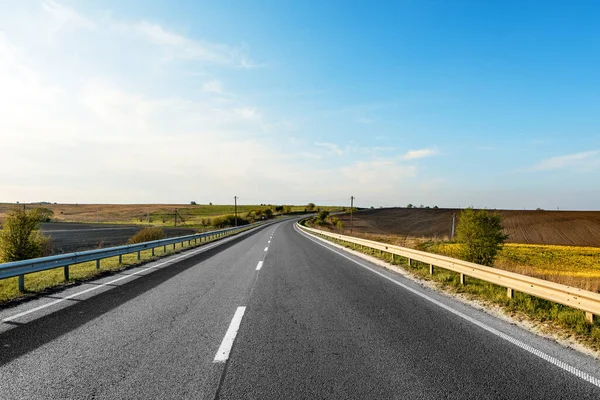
(490, 104)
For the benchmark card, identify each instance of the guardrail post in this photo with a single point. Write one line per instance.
(173, 246)
(66, 272)
(589, 317)
(153, 252)
(98, 264)
(21, 283)
(430, 269)
(393, 258)
(165, 248)
(509, 293)
(138, 255)
(409, 262)
(120, 258)
(462, 279)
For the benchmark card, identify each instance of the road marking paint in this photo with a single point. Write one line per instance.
(99, 286)
(269, 241)
(227, 343)
(530, 349)
(259, 266)
(266, 248)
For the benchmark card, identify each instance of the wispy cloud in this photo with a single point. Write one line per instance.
(422, 153)
(331, 148)
(180, 46)
(365, 120)
(586, 159)
(213, 86)
(63, 15)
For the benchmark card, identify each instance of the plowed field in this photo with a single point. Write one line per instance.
(568, 228)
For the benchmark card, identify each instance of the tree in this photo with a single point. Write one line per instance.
(310, 206)
(268, 213)
(20, 239)
(192, 203)
(409, 206)
(481, 235)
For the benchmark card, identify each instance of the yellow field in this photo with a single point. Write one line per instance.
(569, 265)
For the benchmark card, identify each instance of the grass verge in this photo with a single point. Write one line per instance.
(554, 319)
(39, 283)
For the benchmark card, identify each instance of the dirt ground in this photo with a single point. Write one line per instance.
(68, 237)
(568, 228)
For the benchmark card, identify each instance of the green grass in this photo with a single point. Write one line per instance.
(41, 282)
(557, 318)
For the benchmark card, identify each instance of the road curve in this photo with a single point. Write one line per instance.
(268, 315)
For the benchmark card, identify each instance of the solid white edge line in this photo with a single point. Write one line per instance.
(561, 364)
(227, 343)
(185, 255)
(259, 266)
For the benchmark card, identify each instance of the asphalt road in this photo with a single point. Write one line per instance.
(273, 315)
(70, 237)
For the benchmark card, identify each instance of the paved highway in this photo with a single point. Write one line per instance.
(274, 314)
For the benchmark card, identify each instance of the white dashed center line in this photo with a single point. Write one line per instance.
(227, 343)
(259, 266)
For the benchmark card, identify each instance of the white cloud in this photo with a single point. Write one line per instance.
(381, 175)
(584, 159)
(331, 148)
(63, 16)
(416, 154)
(213, 86)
(177, 46)
(120, 133)
(249, 113)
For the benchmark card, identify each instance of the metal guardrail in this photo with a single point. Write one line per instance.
(580, 299)
(21, 268)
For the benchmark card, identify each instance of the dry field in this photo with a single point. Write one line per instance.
(155, 214)
(565, 228)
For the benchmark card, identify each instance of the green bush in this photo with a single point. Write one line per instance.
(147, 235)
(481, 236)
(20, 239)
(323, 215)
(225, 221)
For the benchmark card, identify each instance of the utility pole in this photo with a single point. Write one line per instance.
(235, 208)
(175, 215)
(351, 209)
(453, 221)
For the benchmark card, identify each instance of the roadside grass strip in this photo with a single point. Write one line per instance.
(41, 282)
